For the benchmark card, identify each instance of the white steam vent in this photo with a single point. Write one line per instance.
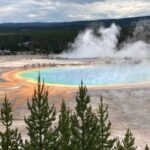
(89, 45)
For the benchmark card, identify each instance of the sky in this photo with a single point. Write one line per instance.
(70, 10)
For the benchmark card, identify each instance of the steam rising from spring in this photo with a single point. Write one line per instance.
(89, 45)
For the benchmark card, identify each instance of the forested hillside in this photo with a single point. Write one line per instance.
(53, 37)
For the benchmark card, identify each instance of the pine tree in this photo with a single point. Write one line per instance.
(118, 146)
(10, 139)
(128, 143)
(146, 147)
(104, 140)
(83, 124)
(40, 119)
(64, 128)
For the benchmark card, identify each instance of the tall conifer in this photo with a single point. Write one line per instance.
(104, 139)
(128, 143)
(10, 138)
(83, 122)
(64, 128)
(40, 119)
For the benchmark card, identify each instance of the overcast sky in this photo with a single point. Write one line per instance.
(70, 10)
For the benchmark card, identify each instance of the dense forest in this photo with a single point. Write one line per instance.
(49, 38)
(50, 41)
(81, 129)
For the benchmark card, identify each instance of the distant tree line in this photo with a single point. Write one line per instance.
(37, 42)
(52, 41)
(45, 38)
(81, 129)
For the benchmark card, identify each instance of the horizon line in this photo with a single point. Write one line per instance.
(130, 17)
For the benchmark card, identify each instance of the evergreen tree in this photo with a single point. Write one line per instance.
(104, 140)
(40, 120)
(84, 122)
(10, 139)
(128, 143)
(118, 146)
(64, 128)
(146, 147)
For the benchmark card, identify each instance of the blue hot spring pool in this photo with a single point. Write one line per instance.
(98, 75)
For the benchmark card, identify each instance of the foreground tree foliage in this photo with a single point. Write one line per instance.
(10, 138)
(104, 140)
(64, 128)
(83, 123)
(40, 119)
(81, 129)
(128, 143)
(146, 147)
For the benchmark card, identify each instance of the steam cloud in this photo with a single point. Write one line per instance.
(89, 45)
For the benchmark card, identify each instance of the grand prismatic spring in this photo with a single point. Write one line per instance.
(94, 75)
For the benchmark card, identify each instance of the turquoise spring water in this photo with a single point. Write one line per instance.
(92, 75)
